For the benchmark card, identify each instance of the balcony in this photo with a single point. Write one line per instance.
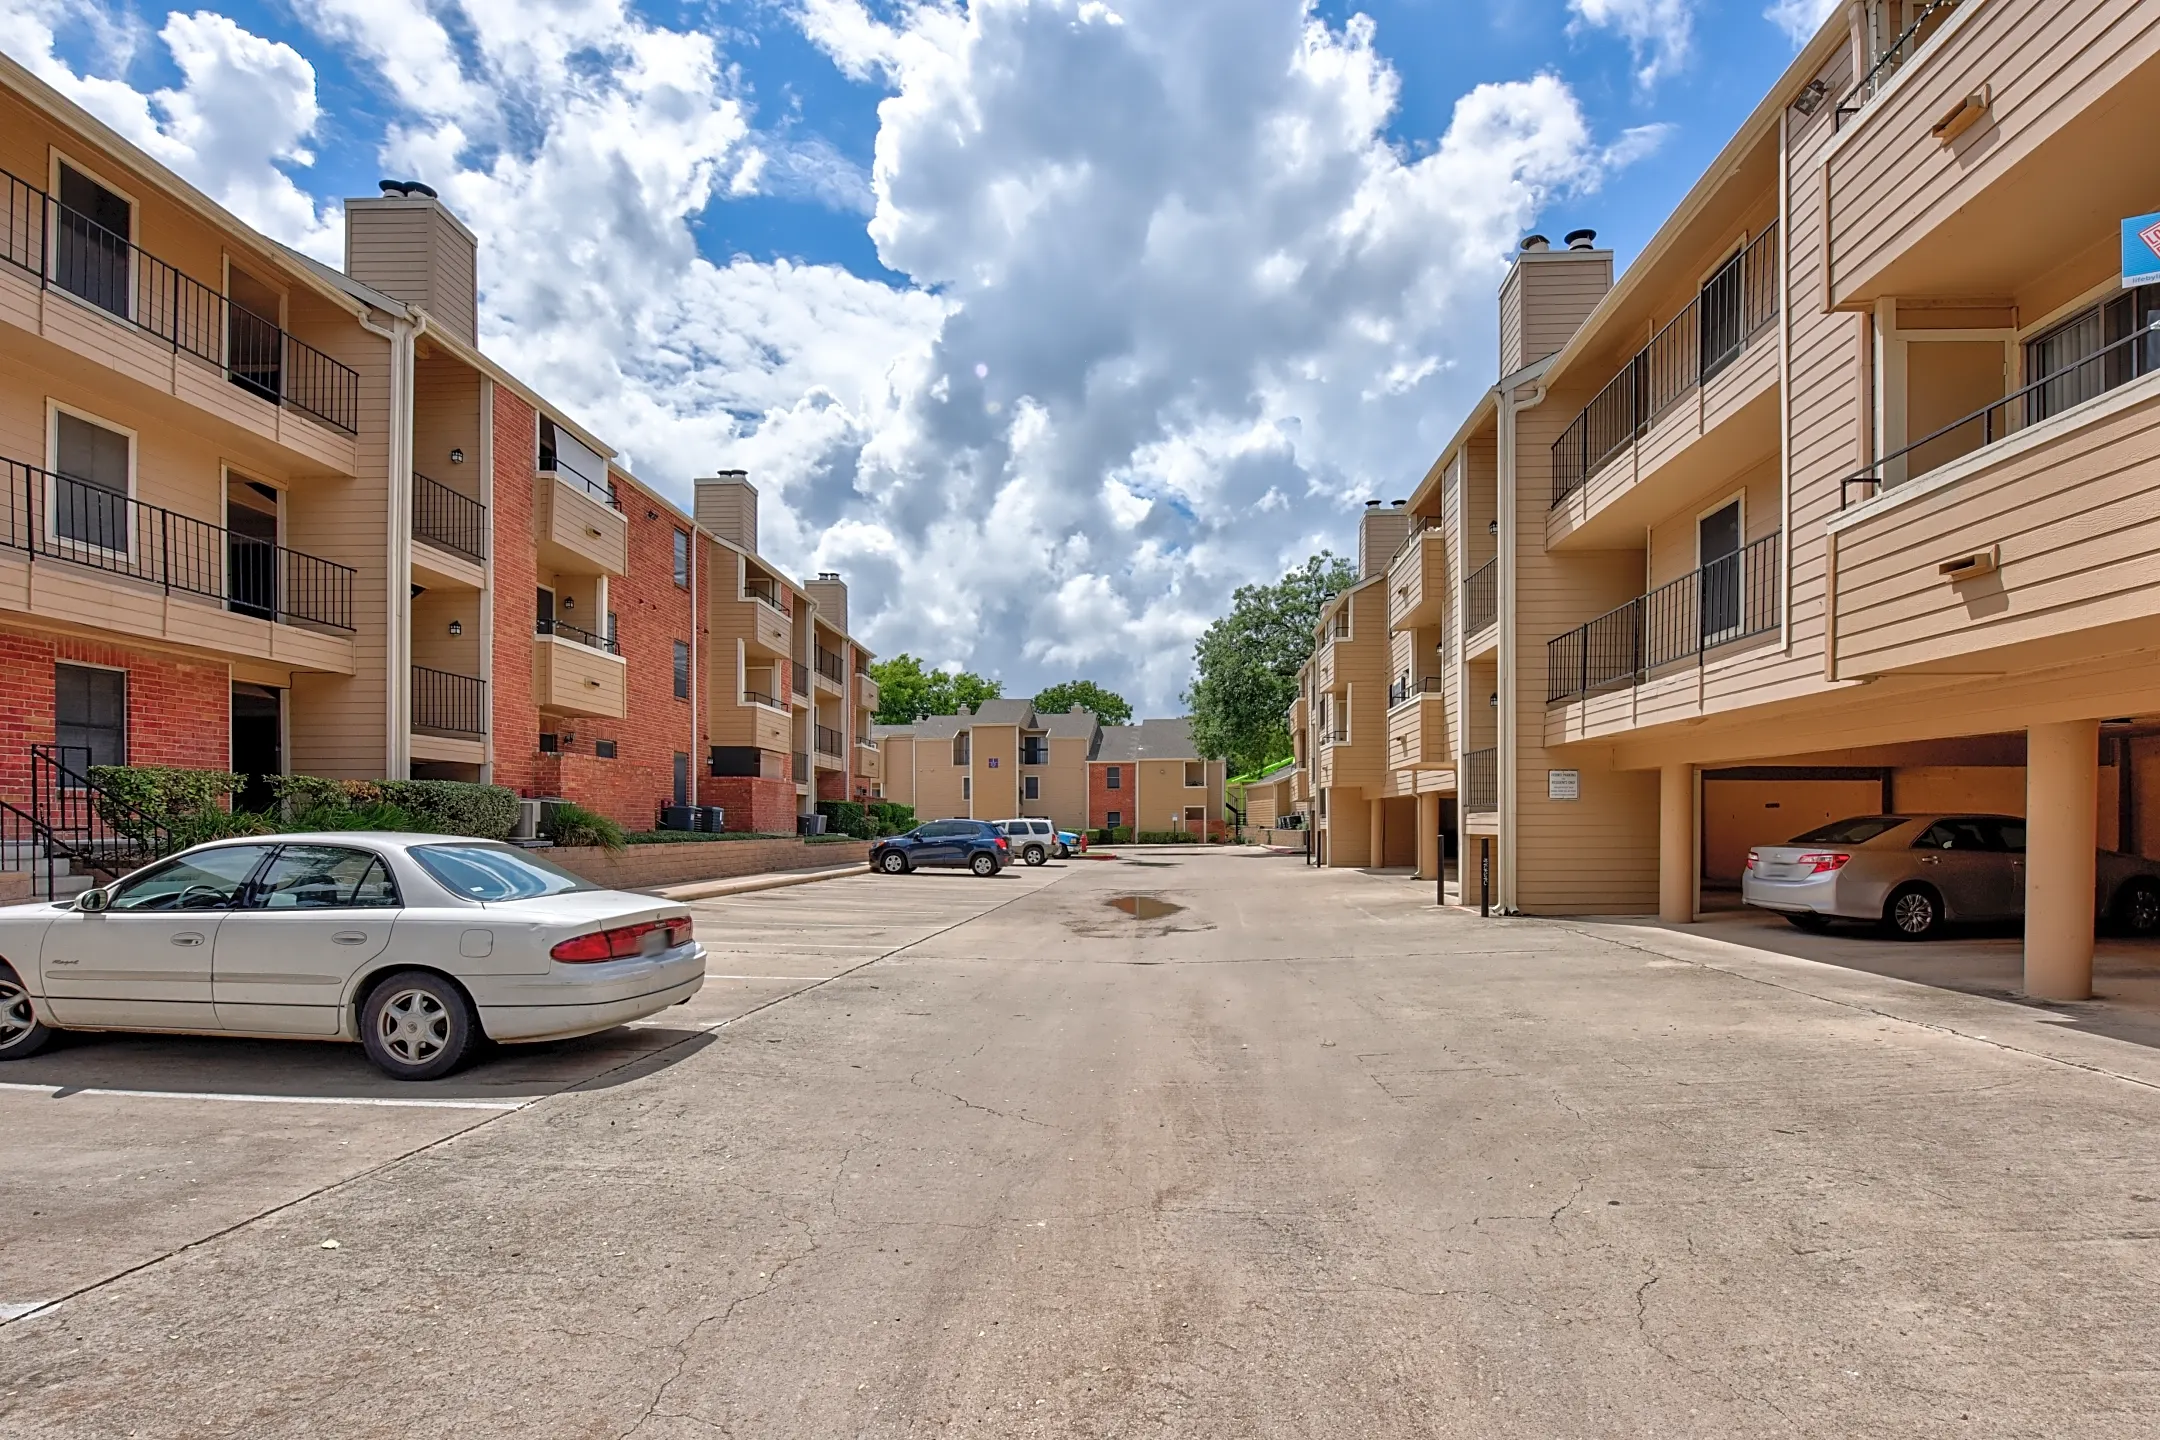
(1640, 424)
(798, 678)
(1481, 599)
(1417, 577)
(1892, 60)
(449, 521)
(1481, 782)
(447, 704)
(1729, 600)
(576, 672)
(802, 767)
(764, 591)
(869, 760)
(100, 282)
(831, 744)
(867, 696)
(581, 529)
(1417, 725)
(831, 671)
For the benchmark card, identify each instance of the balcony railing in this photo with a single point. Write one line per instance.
(1481, 597)
(1406, 689)
(802, 766)
(829, 666)
(762, 590)
(1731, 598)
(830, 741)
(2114, 364)
(564, 630)
(443, 517)
(452, 704)
(1710, 331)
(865, 742)
(68, 251)
(551, 462)
(61, 517)
(759, 697)
(1892, 60)
(1480, 783)
(798, 677)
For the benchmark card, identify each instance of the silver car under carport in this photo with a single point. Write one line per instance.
(1915, 873)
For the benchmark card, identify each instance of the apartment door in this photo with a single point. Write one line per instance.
(545, 611)
(91, 235)
(254, 343)
(251, 548)
(258, 743)
(1717, 550)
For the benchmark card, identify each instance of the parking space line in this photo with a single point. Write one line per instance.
(63, 1092)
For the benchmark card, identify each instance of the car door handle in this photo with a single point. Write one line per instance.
(188, 938)
(1930, 859)
(348, 937)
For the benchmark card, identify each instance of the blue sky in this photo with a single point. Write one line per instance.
(1048, 322)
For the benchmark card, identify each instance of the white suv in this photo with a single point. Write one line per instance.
(1033, 841)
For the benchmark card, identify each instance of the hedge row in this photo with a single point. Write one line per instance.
(190, 805)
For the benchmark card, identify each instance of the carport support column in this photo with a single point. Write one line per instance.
(1428, 835)
(2062, 778)
(1376, 810)
(1676, 844)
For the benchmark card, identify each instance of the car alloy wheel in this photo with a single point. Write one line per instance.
(417, 1026)
(21, 1033)
(1034, 855)
(984, 865)
(413, 1026)
(1914, 914)
(2141, 908)
(892, 862)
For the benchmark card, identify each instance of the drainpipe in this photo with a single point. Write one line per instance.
(1508, 742)
(487, 593)
(1784, 341)
(397, 596)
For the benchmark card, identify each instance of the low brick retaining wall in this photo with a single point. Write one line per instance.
(647, 867)
(1289, 839)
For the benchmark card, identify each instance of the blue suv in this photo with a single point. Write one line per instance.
(975, 845)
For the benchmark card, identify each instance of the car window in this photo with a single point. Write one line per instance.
(495, 872)
(1956, 835)
(1856, 831)
(942, 829)
(206, 880)
(325, 877)
(2011, 833)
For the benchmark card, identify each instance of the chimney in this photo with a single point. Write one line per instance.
(1547, 295)
(726, 505)
(830, 593)
(408, 245)
(1381, 532)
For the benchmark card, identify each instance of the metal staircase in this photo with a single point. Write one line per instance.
(74, 834)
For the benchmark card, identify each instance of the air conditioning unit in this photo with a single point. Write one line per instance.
(528, 822)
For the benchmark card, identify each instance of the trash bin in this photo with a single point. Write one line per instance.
(809, 824)
(678, 817)
(715, 819)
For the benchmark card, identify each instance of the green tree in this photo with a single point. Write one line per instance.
(907, 692)
(1245, 664)
(1110, 707)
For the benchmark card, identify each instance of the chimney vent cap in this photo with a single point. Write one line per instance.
(1372, 504)
(1581, 239)
(406, 188)
(1535, 242)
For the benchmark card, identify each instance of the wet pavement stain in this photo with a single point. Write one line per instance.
(1143, 907)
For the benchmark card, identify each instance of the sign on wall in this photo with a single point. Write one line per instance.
(1563, 784)
(993, 762)
(2140, 250)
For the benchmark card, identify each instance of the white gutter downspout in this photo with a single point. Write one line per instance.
(1509, 744)
(397, 587)
(696, 679)
(1785, 476)
(487, 592)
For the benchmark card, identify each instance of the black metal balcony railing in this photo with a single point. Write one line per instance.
(802, 766)
(759, 697)
(1731, 598)
(451, 704)
(551, 462)
(1406, 689)
(2114, 364)
(564, 630)
(829, 666)
(1481, 597)
(1480, 782)
(443, 517)
(865, 742)
(798, 677)
(61, 517)
(762, 590)
(830, 741)
(1710, 331)
(70, 252)
(1892, 59)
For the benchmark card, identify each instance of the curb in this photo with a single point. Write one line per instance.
(747, 884)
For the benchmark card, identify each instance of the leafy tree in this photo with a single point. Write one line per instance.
(1110, 707)
(1245, 664)
(907, 692)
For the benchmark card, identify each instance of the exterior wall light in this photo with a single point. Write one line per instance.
(457, 457)
(457, 627)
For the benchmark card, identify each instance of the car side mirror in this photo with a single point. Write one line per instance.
(93, 901)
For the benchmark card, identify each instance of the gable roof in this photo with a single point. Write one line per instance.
(1071, 725)
(1148, 740)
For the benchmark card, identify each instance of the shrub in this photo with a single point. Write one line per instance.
(371, 815)
(1114, 835)
(444, 807)
(892, 819)
(299, 795)
(574, 825)
(133, 799)
(847, 817)
(699, 837)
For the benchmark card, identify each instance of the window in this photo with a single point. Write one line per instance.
(1034, 750)
(208, 880)
(1114, 818)
(682, 670)
(1031, 788)
(547, 444)
(967, 788)
(325, 877)
(1196, 815)
(613, 637)
(682, 559)
(1195, 774)
(494, 872)
(682, 778)
(90, 713)
(604, 749)
(1113, 779)
(548, 743)
(960, 748)
(2072, 350)
(92, 233)
(91, 463)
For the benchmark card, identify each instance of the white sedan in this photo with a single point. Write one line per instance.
(416, 946)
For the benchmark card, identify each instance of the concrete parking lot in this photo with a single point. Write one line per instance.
(1187, 1144)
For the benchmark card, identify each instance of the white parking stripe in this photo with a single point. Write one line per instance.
(62, 1092)
(16, 1310)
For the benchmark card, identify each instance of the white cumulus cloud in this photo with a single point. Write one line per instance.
(1800, 19)
(1660, 33)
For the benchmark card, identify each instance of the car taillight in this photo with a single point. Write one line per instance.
(1753, 859)
(1822, 862)
(619, 943)
(1003, 843)
(681, 932)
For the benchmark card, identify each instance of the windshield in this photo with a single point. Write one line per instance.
(495, 872)
(1857, 831)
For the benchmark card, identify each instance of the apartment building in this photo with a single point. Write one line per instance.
(1151, 777)
(1838, 500)
(270, 515)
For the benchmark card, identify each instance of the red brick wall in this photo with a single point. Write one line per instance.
(515, 719)
(1102, 799)
(751, 803)
(179, 713)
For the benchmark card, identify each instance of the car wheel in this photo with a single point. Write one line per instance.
(892, 862)
(1809, 921)
(984, 864)
(416, 1026)
(1034, 855)
(1913, 912)
(1064, 853)
(22, 1034)
(2137, 908)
